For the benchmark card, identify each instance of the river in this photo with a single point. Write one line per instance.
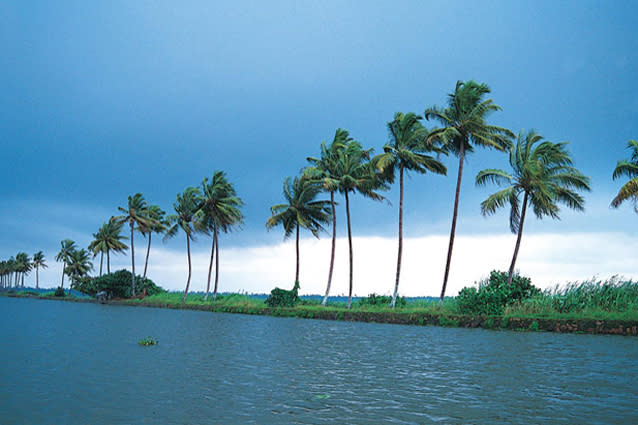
(77, 363)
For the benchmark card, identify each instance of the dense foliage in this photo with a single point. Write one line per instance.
(374, 299)
(283, 298)
(494, 294)
(118, 285)
(59, 292)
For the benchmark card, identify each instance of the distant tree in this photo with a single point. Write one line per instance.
(464, 127)
(220, 213)
(108, 238)
(408, 150)
(187, 209)
(66, 247)
(627, 168)
(79, 266)
(301, 210)
(135, 215)
(325, 170)
(542, 173)
(38, 262)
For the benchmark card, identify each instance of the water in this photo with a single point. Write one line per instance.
(72, 363)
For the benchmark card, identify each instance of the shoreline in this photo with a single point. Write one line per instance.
(513, 323)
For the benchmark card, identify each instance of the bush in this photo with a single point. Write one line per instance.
(118, 285)
(374, 299)
(494, 294)
(59, 292)
(283, 298)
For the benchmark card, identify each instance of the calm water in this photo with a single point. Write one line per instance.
(68, 363)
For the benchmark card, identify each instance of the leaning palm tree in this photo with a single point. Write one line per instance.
(542, 172)
(38, 262)
(324, 170)
(188, 212)
(301, 210)
(156, 224)
(221, 212)
(79, 266)
(628, 168)
(356, 173)
(407, 151)
(135, 215)
(66, 247)
(464, 127)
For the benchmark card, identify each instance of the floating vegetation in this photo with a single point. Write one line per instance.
(147, 341)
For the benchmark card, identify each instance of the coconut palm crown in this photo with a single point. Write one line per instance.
(543, 173)
(627, 168)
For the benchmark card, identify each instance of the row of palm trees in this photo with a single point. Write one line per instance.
(542, 173)
(13, 270)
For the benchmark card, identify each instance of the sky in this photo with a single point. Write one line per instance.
(103, 100)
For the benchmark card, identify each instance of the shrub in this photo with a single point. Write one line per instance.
(59, 292)
(118, 285)
(494, 294)
(283, 298)
(374, 299)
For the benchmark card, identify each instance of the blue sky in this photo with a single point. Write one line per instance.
(102, 100)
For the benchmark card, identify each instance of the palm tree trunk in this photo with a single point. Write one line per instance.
(396, 285)
(518, 240)
(297, 248)
(101, 261)
(332, 252)
(188, 281)
(210, 268)
(108, 263)
(349, 248)
(22, 281)
(216, 234)
(132, 263)
(37, 278)
(454, 214)
(148, 251)
(63, 267)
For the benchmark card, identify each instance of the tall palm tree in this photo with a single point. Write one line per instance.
(301, 210)
(408, 150)
(188, 212)
(221, 212)
(356, 173)
(79, 266)
(135, 215)
(66, 247)
(23, 266)
(542, 172)
(156, 224)
(324, 170)
(628, 168)
(38, 262)
(464, 127)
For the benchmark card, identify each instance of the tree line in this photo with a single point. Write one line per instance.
(542, 176)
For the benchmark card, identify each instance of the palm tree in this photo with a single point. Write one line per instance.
(66, 247)
(38, 262)
(407, 151)
(301, 210)
(108, 238)
(11, 267)
(188, 212)
(157, 224)
(23, 266)
(134, 214)
(79, 265)
(355, 172)
(542, 172)
(221, 212)
(324, 170)
(628, 168)
(463, 125)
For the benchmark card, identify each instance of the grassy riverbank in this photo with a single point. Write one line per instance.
(609, 307)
